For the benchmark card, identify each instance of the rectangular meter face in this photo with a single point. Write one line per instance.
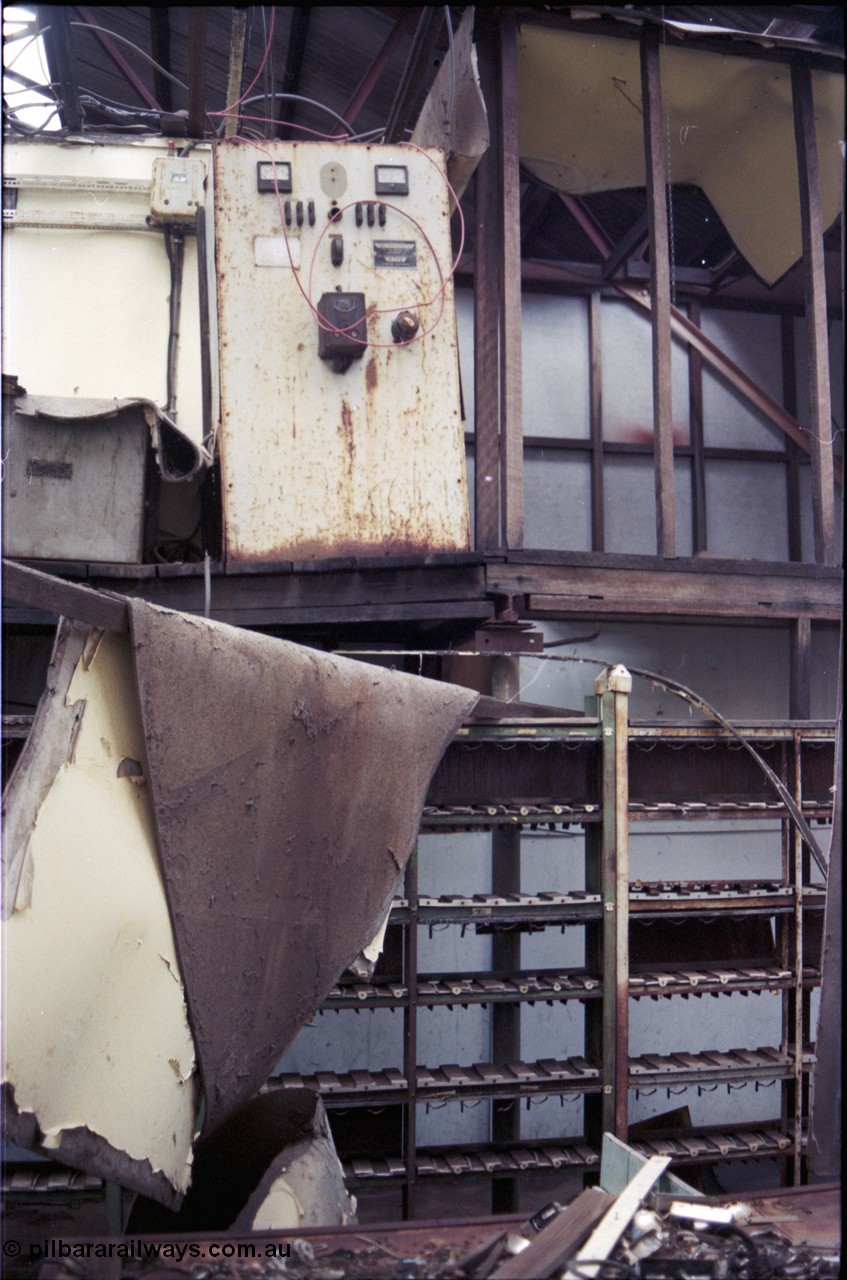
(265, 175)
(391, 180)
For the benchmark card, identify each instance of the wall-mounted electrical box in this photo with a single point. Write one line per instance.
(178, 188)
(341, 430)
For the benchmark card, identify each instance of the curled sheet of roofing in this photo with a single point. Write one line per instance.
(730, 131)
(287, 786)
(209, 820)
(177, 455)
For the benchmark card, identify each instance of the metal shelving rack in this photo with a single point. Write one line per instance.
(604, 774)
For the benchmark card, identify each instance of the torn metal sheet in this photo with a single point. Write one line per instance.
(271, 1167)
(177, 455)
(287, 787)
(581, 131)
(453, 116)
(98, 1058)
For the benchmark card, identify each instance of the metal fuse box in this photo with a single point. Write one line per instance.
(74, 489)
(177, 189)
(336, 438)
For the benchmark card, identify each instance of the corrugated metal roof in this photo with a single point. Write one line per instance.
(328, 54)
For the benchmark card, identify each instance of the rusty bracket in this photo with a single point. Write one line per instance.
(505, 633)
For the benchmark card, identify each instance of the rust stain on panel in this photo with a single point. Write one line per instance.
(376, 464)
(346, 429)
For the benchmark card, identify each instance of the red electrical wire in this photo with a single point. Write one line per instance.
(438, 296)
(229, 109)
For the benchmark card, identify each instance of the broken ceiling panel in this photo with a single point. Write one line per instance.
(730, 130)
(453, 116)
(98, 1065)
(287, 786)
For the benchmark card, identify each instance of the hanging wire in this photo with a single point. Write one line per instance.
(287, 97)
(671, 234)
(451, 102)
(114, 35)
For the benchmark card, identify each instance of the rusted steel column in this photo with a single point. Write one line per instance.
(613, 687)
(197, 71)
(797, 996)
(655, 160)
(511, 421)
(595, 385)
(800, 671)
(410, 1038)
(820, 409)
(792, 451)
(497, 296)
(695, 419)
(487, 309)
(505, 957)
(824, 1149)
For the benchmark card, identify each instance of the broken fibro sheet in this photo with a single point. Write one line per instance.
(205, 828)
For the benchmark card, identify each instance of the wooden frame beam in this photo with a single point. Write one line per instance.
(595, 392)
(511, 368)
(696, 430)
(655, 155)
(820, 408)
(497, 297)
(236, 67)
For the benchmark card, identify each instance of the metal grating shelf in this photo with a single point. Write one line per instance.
(766, 1141)
(36, 1180)
(548, 1075)
(711, 1066)
(555, 985)
(552, 816)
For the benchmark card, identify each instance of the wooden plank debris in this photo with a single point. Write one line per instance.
(606, 1235)
(557, 1241)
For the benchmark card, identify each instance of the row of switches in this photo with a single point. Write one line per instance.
(298, 212)
(367, 211)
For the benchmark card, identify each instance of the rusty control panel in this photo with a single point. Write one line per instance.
(341, 430)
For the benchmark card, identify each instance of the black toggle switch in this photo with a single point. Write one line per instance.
(342, 337)
(336, 250)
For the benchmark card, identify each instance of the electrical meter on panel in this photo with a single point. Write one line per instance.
(341, 430)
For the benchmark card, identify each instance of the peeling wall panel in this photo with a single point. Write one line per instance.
(98, 1063)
